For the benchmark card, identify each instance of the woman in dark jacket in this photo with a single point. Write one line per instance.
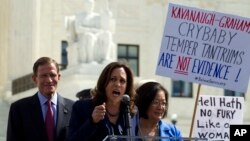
(94, 119)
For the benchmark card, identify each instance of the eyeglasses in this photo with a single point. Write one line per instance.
(156, 103)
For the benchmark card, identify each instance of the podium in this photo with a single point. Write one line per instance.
(144, 138)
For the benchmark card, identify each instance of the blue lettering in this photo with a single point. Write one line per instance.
(166, 60)
(212, 69)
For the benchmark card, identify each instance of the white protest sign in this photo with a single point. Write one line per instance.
(215, 114)
(205, 47)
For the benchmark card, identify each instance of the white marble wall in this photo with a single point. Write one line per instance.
(4, 27)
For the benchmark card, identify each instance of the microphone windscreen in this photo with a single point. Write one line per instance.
(125, 99)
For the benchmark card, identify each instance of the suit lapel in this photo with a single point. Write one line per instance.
(37, 116)
(63, 112)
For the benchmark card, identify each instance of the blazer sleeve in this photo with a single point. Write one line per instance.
(81, 127)
(14, 127)
(169, 130)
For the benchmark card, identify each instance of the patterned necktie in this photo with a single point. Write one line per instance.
(49, 122)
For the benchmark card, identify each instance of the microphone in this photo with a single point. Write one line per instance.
(126, 100)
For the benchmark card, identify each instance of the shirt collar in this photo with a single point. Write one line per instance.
(43, 99)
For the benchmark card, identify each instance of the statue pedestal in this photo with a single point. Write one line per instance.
(78, 77)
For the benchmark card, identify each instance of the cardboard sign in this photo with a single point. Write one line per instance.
(215, 114)
(205, 47)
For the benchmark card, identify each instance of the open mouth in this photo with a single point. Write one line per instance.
(116, 93)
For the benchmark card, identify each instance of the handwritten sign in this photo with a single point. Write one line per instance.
(215, 114)
(205, 47)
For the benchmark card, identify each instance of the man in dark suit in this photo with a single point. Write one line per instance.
(45, 115)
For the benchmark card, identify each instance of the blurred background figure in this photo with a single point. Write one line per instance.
(85, 94)
(174, 118)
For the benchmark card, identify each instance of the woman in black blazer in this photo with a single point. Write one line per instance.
(104, 114)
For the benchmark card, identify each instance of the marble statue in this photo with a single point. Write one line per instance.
(91, 35)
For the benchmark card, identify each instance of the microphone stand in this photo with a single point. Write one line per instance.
(126, 100)
(128, 122)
